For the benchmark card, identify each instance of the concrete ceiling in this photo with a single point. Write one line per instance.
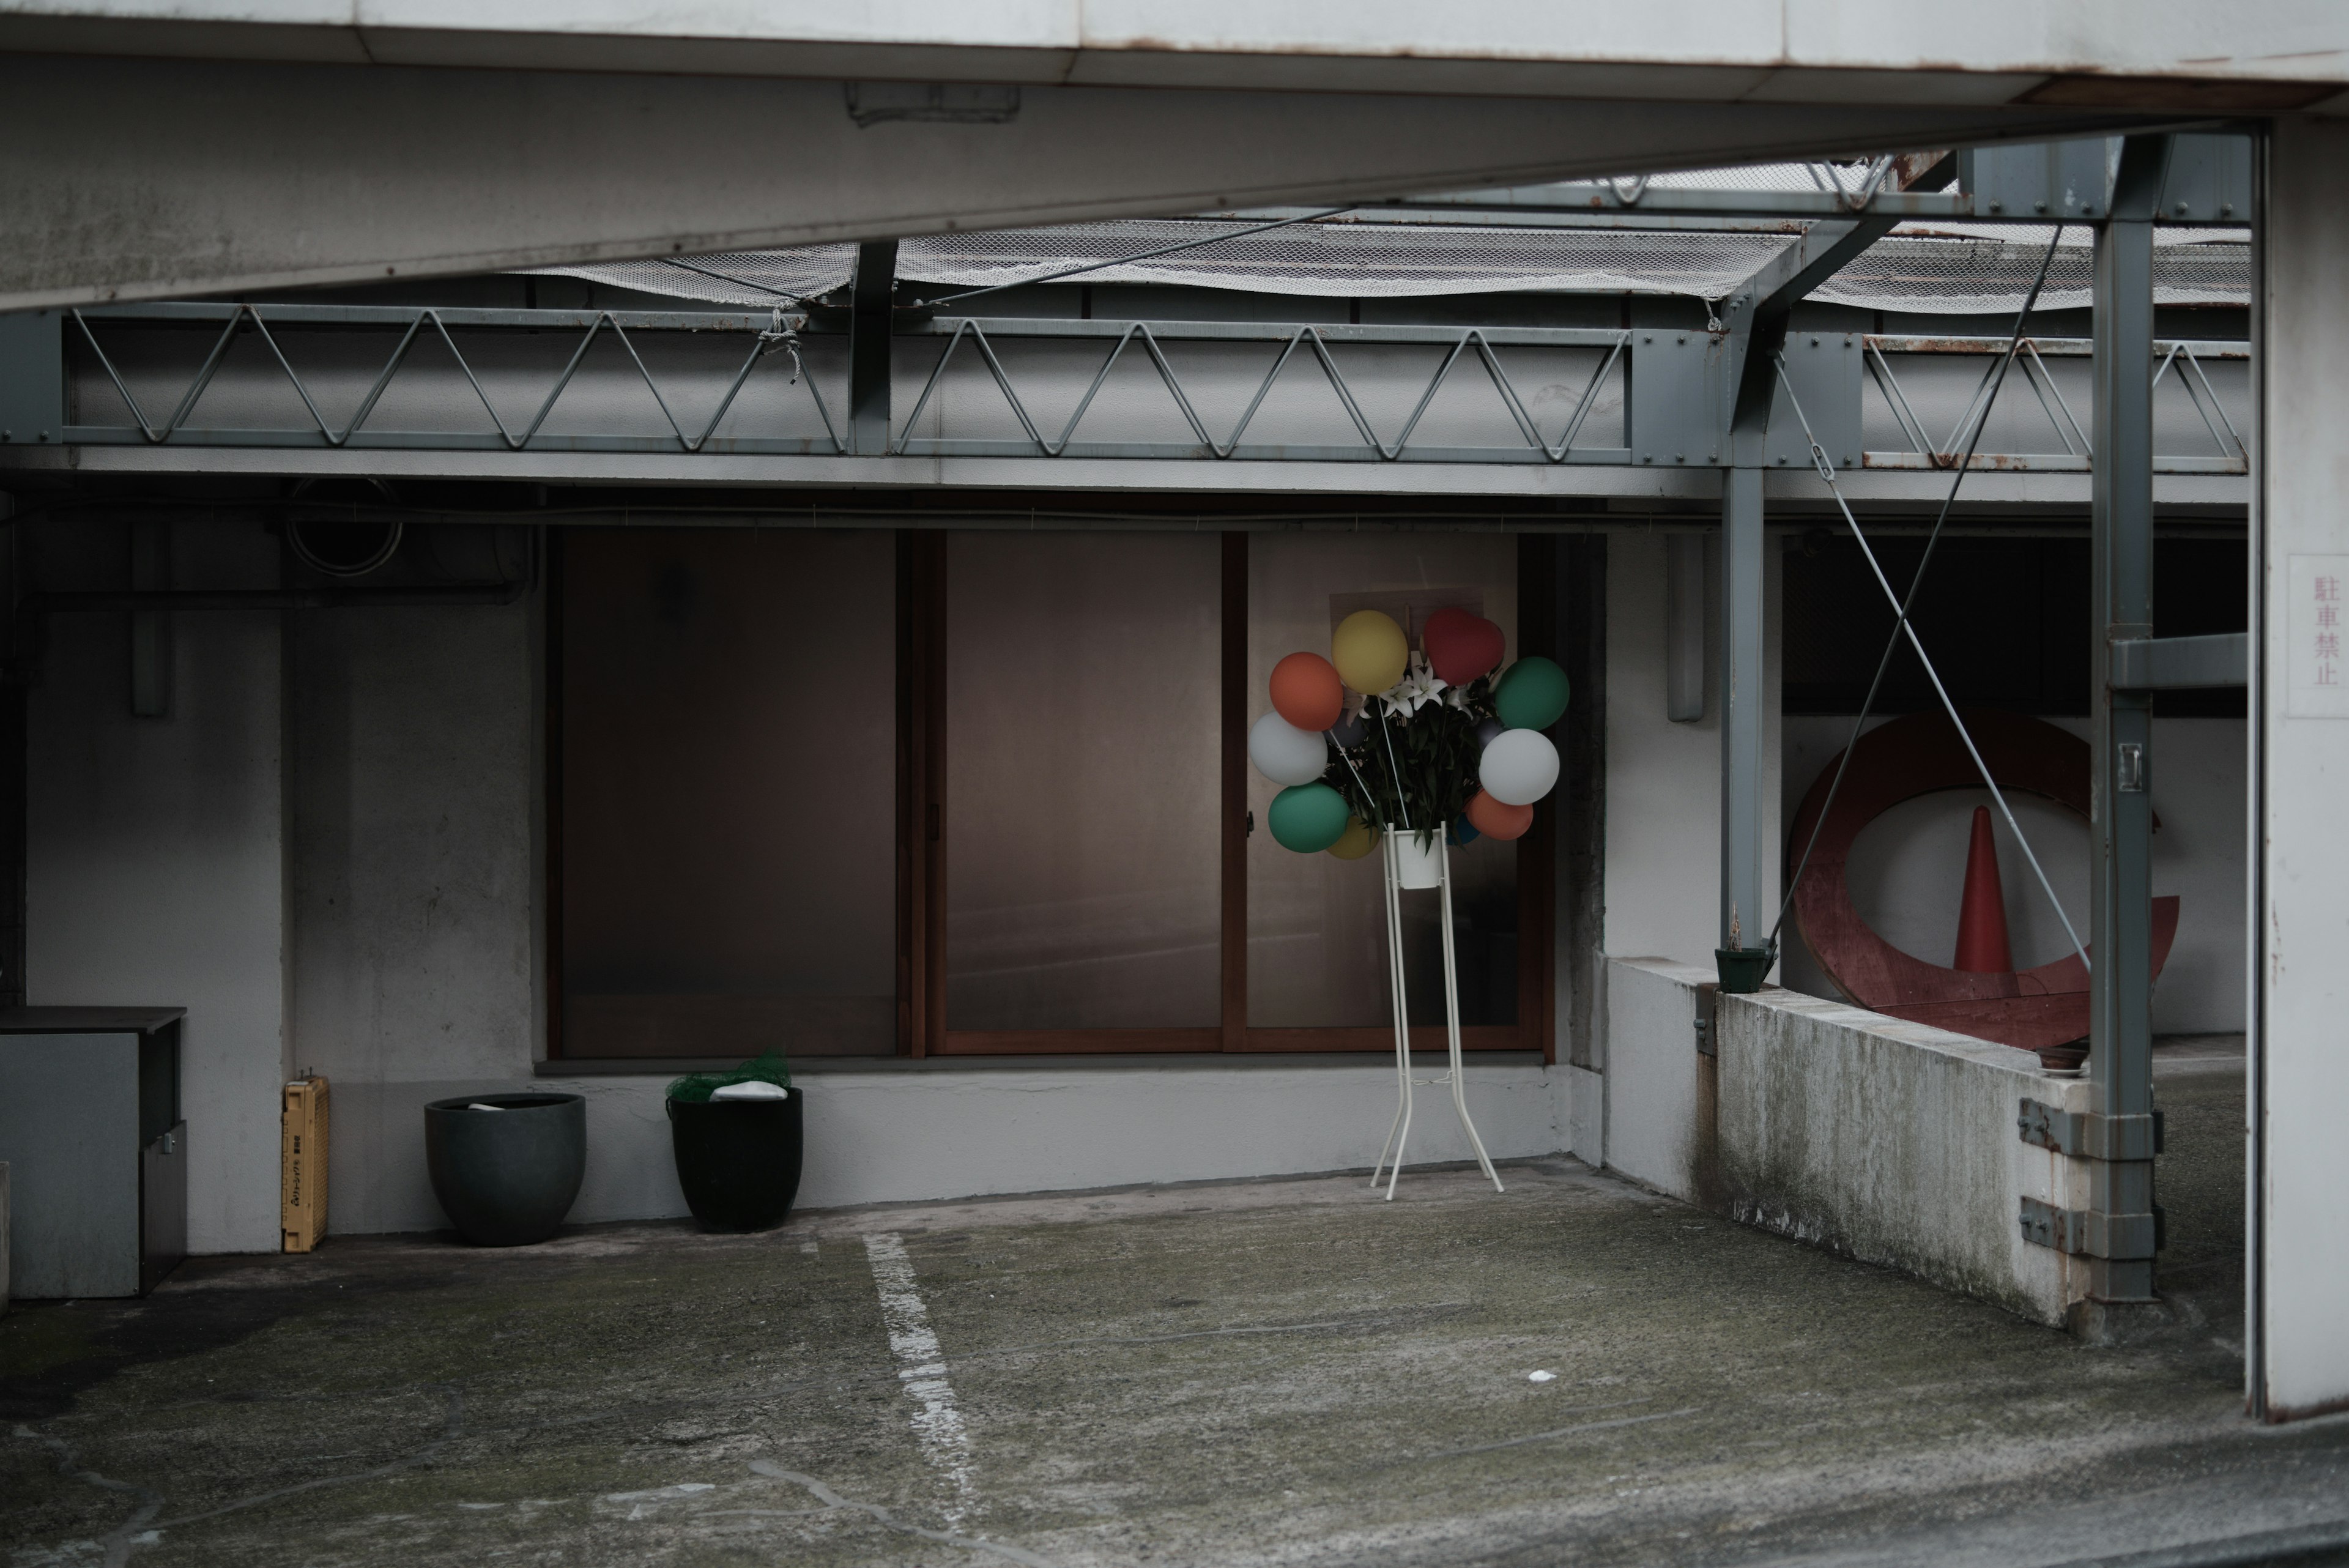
(156, 148)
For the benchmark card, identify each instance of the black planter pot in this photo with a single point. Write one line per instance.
(738, 1160)
(506, 1177)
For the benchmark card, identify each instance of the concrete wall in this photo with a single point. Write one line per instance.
(154, 860)
(1650, 1088)
(1891, 1142)
(413, 917)
(897, 1134)
(1663, 779)
(412, 903)
(2300, 1072)
(1909, 866)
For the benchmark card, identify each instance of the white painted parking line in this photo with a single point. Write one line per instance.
(938, 1428)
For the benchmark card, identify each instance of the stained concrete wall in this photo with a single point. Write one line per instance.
(412, 903)
(154, 856)
(1892, 1142)
(1896, 1143)
(1909, 866)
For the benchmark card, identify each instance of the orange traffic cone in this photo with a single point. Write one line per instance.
(1983, 946)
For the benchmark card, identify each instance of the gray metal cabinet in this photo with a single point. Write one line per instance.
(98, 1156)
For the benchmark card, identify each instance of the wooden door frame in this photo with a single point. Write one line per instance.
(923, 847)
(921, 829)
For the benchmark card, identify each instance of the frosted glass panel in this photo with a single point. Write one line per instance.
(1082, 885)
(1316, 937)
(728, 856)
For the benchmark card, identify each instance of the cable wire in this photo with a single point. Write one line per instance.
(1996, 379)
(1122, 261)
(729, 277)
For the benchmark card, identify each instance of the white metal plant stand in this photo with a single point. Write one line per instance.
(1412, 868)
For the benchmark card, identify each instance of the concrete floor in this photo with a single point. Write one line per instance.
(1282, 1372)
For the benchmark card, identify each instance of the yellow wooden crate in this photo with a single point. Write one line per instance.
(302, 1210)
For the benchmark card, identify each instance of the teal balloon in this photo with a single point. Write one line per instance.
(1308, 818)
(1532, 694)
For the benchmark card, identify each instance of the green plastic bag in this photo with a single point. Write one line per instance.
(696, 1087)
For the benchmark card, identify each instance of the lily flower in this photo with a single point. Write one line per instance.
(1419, 686)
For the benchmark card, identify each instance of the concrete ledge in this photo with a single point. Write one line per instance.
(877, 1137)
(1652, 1075)
(1894, 1142)
(1889, 1141)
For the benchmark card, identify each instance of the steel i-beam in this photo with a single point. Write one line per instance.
(1757, 313)
(872, 298)
(1747, 908)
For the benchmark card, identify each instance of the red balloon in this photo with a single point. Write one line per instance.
(1307, 692)
(1460, 647)
(1494, 820)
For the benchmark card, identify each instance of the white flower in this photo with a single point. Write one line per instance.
(1418, 686)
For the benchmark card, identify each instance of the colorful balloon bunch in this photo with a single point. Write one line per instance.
(1429, 741)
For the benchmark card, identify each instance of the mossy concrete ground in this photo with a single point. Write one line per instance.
(1283, 1371)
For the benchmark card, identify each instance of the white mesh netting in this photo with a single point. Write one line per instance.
(1926, 268)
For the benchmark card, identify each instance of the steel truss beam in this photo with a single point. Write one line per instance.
(1673, 382)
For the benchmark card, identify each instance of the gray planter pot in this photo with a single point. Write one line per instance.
(506, 1177)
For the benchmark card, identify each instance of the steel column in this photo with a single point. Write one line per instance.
(1757, 314)
(2120, 1013)
(1746, 903)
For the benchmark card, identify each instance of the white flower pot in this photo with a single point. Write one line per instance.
(1419, 862)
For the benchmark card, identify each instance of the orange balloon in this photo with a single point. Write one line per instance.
(1494, 820)
(1307, 692)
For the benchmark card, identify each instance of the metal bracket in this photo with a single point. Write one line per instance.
(32, 377)
(1708, 1019)
(1678, 401)
(2088, 1136)
(2181, 663)
(2084, 1233)
(2070, 180)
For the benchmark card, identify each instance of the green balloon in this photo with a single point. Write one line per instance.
(1308, 818)
(1531, 695)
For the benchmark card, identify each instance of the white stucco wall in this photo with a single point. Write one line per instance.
(154, 863)
(412, 901)
(894, 1134)
(1663, 779)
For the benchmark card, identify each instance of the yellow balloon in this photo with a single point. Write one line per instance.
(1357, 841)
(1369, 651)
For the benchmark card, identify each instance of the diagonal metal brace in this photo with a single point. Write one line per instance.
(2086, 1234)
(2088, 1136)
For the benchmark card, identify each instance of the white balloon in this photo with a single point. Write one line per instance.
(1285, 754)
(1519, 767)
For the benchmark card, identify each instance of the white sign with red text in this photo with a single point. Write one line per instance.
(2316, 623)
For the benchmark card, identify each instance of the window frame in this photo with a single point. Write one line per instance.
(922, 849)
